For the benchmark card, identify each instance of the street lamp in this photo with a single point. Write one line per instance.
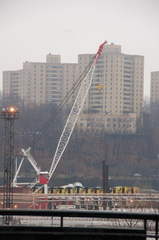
(10, 113)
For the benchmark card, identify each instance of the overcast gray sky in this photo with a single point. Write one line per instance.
(30, 29)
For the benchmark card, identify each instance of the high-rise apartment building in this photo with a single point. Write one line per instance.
(154, 88)
(121, 78)
(120, 96)
(116, 91)
(41, 82)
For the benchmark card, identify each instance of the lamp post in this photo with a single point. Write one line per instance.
(9, 115)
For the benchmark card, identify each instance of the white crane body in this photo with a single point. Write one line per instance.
(17, 172)
(31, 160)
(72, 118)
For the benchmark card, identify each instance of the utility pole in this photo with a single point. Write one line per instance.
(9, 115)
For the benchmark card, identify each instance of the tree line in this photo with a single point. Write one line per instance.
(126, 154)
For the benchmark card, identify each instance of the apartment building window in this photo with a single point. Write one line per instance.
(127, 76)
(126, 80)
(128, 63)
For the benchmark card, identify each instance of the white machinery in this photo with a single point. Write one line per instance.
(44, 177)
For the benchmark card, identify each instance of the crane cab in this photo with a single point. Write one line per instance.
(44, 177)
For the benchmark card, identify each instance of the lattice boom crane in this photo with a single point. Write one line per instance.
(68, 128)
(75, 111)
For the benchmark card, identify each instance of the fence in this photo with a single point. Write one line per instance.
(130, 225)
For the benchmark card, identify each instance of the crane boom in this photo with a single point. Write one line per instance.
(16, 174)
(31, 159)
(74, 113)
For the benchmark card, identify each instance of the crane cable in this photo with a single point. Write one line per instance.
(63, 102)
